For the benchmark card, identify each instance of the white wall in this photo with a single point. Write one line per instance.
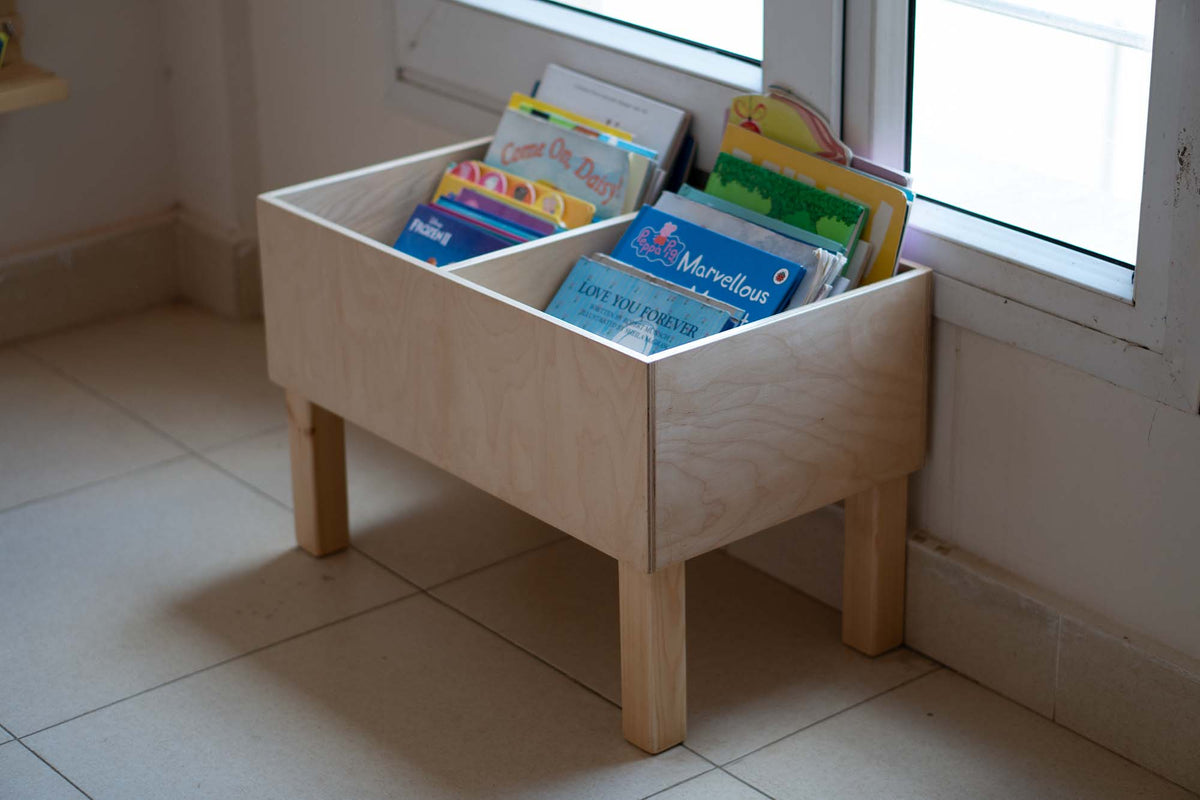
(201, 127)
(328, 100)
(104, 155)
(1081, 487)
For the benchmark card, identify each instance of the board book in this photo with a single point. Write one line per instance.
(708, 262)
(785, 118)
(816, 261)
(599, 173)
(657, 125)
(787, 200)
(635, 309)
(439, 238)
(887, 203)
(733, 209)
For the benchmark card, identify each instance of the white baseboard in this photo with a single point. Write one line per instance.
(217, 271)
(125, 268)
(1131, 695)
(87, 277)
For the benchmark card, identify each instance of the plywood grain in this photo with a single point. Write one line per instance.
(531, 273)
(770, 422)
(318, 448)
(377, 201)
(873, 569)
(547, 419)
(653, 656)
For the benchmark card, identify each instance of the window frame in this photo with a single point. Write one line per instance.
(850, 58)
(1020, 289)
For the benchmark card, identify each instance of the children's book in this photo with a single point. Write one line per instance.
(439, 238)
(488, 223)
(708, 262)
(455, 184)
(517, 100)
(510, 214)
(816, 262)
(530, 191)
(635, 309)
(856, 267)
(788, 200)
(791, 231)
(585, 167)
(659, 126)
(887, 203)
(786, 118)
(564, 122)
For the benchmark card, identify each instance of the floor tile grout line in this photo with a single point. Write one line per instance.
(109, 401)
(137, 417)
(980, 685)
(506, 559)
(745, 782)
(275, 428)
(936, 667)
(57, 771)
(490, 630)
(201, 455)
(97, 482)
(522, 648)
(223, 662)
(657, 792)
(777, 579)
(720, 768)
(17, 741)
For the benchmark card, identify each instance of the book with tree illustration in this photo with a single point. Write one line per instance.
(779, 197)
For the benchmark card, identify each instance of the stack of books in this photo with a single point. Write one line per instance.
(579, 150)
(788, 216)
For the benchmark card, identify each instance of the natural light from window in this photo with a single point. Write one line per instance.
(1035, 116)
(734, 28)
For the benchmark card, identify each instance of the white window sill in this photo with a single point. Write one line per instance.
(646, 46)
(1021, 250)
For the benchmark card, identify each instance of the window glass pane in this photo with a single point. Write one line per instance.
(1035, 115)
(734, 28)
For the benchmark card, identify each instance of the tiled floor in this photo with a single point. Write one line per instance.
(161, 636)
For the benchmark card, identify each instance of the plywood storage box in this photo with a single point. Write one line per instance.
(650, 459)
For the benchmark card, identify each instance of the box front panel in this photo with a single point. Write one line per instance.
(532, 412)
(780, 419)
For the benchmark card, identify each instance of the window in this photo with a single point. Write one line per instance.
(709, 25)
(851, 59)
(1035, 116)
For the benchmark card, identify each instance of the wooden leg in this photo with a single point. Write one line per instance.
(318, 448)
(653, 657)
(873, 578)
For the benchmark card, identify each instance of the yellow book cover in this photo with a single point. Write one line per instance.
(517, 100)
(548, 203)
(887, 203)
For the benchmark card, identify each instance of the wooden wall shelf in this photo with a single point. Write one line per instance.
(24, 85)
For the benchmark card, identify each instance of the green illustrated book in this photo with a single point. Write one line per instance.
(790, 201)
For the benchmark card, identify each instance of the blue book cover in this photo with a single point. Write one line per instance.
(709, 263)
(635, 309)
(504, 226)
(440, 239)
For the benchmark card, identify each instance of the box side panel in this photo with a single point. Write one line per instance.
(783, 418)
(531, 273)
(377, 202)
(532, 412)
